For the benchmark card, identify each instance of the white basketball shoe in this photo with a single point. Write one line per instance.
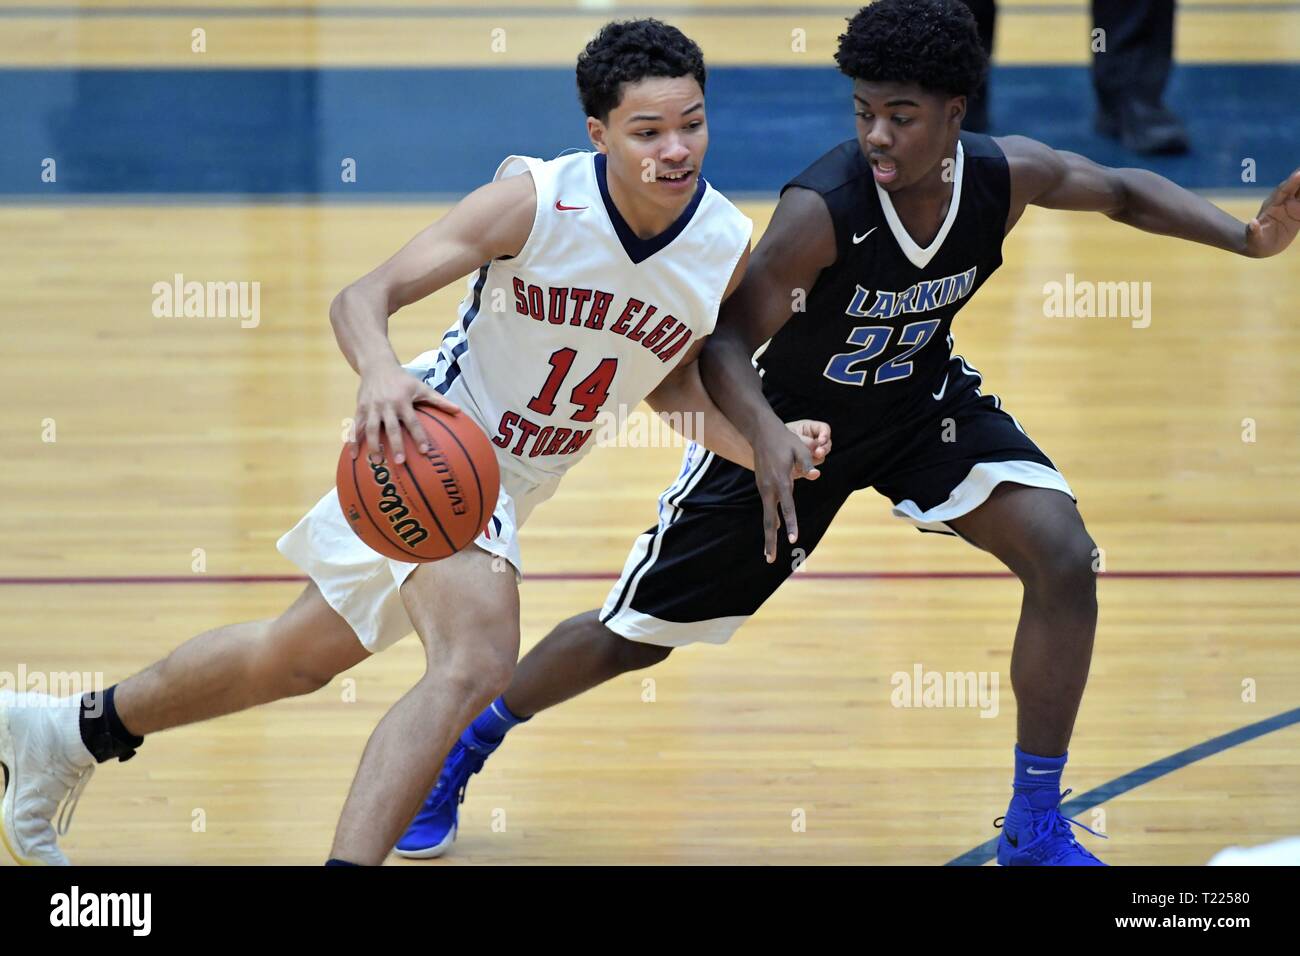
(45, 765)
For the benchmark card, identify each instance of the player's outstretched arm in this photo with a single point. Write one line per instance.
(1057, 179)
(493, 221)
(682, 398)
(798, 244)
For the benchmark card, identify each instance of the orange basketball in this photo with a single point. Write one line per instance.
(430, 506)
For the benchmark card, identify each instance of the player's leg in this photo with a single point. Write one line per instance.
(239, 666)
(1040, 536)
(976, 473)
(575, 656)
(466, 612)
(50, 746)
(673, 591)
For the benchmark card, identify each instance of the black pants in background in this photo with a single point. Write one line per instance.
(1139, 50)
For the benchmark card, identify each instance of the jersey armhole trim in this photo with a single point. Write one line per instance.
(730, 270)
(531, 164)
(835, 232)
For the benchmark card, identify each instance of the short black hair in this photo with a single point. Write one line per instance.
(628, 51)
(932, 43)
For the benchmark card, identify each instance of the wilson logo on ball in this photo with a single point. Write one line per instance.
(394, 508)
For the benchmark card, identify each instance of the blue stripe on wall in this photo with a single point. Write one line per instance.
(443, 131)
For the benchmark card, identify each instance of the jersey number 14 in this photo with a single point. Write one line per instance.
(588, 395)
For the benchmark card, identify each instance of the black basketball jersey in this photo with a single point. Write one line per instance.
(872, 347)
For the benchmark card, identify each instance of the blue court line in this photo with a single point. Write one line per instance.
(1152, 771)
(498, 10)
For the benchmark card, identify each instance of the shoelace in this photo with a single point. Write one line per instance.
(64, 819)
(1054, 820)
(441, 793)
(1058, 821)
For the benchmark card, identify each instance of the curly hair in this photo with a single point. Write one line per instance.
(932, 43)
(629, 51)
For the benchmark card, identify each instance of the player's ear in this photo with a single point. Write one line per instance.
(596, 131)
(957, 109)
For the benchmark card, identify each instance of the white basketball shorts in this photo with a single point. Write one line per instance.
(361, 585)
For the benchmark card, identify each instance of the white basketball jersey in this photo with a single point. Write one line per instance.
(588, 317)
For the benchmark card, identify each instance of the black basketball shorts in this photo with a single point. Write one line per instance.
(700, 572)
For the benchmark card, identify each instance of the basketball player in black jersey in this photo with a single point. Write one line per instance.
(883, 239)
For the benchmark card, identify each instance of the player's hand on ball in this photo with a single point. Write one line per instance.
(1278, 221)
(386, 399)
(816, 437)
(780, 457)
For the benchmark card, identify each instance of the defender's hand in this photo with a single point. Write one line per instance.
(1278, 221)
(780, 457)
(816, 437)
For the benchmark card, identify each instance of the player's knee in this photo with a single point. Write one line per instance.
(1065, 568)
(622, 653)
(286, 660)
(301, 674)
(302, 649)
(634, 655)
(304, 681)
(476, 678)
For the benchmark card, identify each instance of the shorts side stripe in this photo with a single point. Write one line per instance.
(692, 478)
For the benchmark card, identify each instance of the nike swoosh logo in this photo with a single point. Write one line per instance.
(857, 238)
(938, 395)
(563, 208)
(1039, 773)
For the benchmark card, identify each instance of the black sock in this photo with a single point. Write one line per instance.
(333, 862)
(102, 731)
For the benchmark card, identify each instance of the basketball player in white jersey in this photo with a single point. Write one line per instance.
(595, 278)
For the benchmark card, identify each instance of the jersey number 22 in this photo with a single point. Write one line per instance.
(846, 369)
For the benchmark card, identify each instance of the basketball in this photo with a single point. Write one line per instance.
(430, 506)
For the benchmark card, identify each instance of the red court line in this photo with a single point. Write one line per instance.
(1210, 575)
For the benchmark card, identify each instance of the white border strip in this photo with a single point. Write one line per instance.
(976, 488)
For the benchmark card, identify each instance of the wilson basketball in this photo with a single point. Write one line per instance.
(430, 506)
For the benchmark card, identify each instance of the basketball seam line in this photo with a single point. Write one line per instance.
(428, 507)
(469, 459)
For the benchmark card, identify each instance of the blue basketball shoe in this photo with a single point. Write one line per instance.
(433, 830)
(1036, 833)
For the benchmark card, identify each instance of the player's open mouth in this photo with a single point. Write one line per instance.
(884, 170)
(677, 178)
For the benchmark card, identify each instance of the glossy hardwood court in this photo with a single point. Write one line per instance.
(173, 435)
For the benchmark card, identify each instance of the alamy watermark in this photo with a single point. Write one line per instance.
(631, 427)
(128, 910)
(1098, 300)
(922, 688)
(208, 300)
(55, 684)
